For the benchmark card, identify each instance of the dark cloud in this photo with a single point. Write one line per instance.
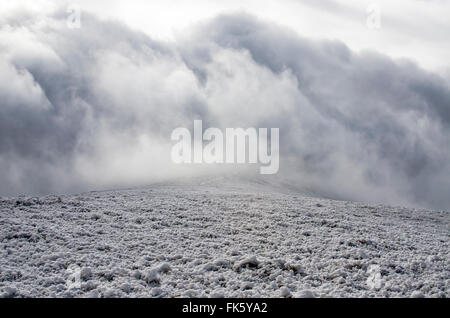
(388, 118)
(94, 107)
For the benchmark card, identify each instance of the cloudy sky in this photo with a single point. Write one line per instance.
(416, 29)
(363, 111)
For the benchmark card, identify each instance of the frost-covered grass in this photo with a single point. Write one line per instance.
(218, 240)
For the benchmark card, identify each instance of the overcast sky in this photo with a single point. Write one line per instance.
(364, 113)
(417, 29)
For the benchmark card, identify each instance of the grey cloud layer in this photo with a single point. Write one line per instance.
(94, 107)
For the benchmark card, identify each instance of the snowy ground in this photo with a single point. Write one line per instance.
(218, 239)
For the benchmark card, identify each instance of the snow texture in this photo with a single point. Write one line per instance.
(218, 239)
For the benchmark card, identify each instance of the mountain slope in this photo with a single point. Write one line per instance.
(218, 238)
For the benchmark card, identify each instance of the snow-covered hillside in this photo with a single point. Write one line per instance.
(218, 239)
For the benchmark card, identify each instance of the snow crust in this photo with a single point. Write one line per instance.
(218, 239)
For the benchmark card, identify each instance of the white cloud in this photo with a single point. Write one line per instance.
(352, 125)
(413, 29)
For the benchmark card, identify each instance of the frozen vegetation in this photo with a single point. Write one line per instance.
(218, 239)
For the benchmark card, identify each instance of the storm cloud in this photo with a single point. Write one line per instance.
(94, 107)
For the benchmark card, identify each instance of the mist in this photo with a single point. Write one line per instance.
(94, 108)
